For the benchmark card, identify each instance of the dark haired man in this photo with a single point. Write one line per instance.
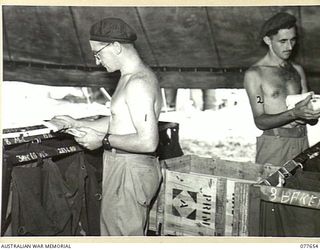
(131, 172)
(268, 83)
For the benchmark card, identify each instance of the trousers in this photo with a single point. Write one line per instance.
(277, 146)
(129, 183)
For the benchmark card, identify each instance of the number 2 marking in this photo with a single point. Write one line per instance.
(259, 99)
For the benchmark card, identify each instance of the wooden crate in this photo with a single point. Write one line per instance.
(280, 195)
(205, 196)
(270, 191)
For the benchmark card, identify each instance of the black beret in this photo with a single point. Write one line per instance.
(279, 21)
(111, 30)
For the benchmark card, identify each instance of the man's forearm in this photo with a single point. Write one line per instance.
(270, 121)
(101, 125)
(134, 142)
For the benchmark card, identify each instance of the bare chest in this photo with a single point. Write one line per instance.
(118, 103)
(280, 82)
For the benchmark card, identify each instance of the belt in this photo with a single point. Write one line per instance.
(296, 132)
(120, 151)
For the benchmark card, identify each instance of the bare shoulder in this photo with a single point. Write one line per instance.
(298, 68)
(253, 70)
(144, 80)
(256, 69)
(252, 75)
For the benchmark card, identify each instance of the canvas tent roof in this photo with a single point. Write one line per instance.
(189, 47)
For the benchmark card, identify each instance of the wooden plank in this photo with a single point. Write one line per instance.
(229, 207)
(180, 164)
(254, 211)
(293, 197)
(218, 167)
(237, 198)
(59, 77)
(220, 215)
(244, 210)
(241, 209)
(100, 78)
(201, 80)
(78, 77)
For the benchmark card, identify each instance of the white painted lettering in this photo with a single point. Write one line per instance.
(7, 142)
(23, 158)
(311, 201)
(273, 194)
(285, 197)
(303, 198)
(294, 196)
(318, 205)
(33, 155)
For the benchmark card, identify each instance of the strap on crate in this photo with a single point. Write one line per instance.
(264, 182)
(291, 166)
(308, 154)
(283, 173)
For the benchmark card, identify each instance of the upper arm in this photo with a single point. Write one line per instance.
(304, 86)
(140, 99)
(252, 84)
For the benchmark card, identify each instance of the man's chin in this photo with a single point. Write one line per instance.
(286, 55)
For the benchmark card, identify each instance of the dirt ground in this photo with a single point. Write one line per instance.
(228, 133)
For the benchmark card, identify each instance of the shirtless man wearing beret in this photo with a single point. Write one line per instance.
(131, 172)
(268, 82)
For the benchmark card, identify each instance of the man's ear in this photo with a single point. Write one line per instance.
(117, 47)
(267, 40)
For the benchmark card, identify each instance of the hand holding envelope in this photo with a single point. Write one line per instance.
(314, 103)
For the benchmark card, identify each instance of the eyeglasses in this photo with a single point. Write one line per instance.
(96, 54)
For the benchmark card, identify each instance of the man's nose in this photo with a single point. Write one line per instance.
(289, 45)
